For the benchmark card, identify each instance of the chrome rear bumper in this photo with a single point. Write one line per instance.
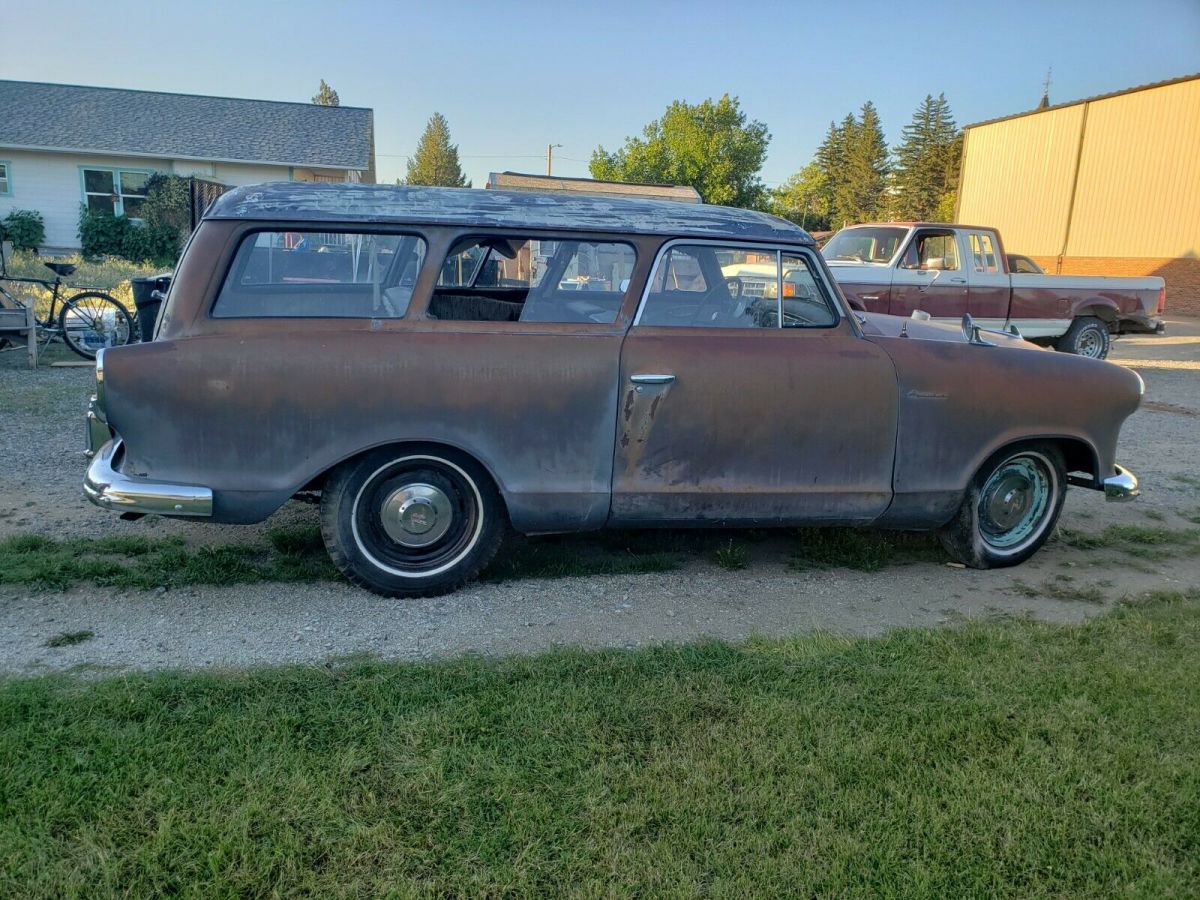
(109, 489)
(1121, 486)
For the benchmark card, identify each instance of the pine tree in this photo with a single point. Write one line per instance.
(326, 96)
(859, 196)
(435, 164)
(927, 162)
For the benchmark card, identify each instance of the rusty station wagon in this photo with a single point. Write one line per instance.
(444, 365)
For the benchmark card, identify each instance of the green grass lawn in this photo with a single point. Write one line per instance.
(999, 758)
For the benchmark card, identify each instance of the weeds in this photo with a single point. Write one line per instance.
(70, 638)
(139, 563)
(731, 557)
(867, 551)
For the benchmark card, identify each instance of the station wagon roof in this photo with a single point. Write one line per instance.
(385, 204)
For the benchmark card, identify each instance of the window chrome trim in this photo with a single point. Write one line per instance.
(816, 269)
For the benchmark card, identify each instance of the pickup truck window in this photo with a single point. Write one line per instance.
(298, 274)
(525, 279)
(983, 254)
(869, 245)
(936, 250)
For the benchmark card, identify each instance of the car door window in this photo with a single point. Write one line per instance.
(525, 279)
(713, 286)
(932, 251)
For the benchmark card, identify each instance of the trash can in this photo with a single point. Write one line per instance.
(148, 293)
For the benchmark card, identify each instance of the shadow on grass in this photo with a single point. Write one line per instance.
(298, 555)
(141, 563)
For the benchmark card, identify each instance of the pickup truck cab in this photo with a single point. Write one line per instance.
(948, 271)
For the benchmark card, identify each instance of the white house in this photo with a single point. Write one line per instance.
(65, 145)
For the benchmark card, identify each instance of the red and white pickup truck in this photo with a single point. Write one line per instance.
(948, 270)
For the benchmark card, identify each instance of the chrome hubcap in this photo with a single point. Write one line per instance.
(416, 515)
(1014, 502)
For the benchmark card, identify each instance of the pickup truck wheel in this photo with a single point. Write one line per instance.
(1010, 508)
(411, 522)
(1087, 336)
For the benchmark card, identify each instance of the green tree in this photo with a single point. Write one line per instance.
(804, 198)
(927, 162)
(435, 164)
(326, 96)
(710, 146)
(860, 193)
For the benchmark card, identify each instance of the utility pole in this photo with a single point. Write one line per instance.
(550, 156)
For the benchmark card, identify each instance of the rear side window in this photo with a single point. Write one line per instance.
(321, 274)
(526, 279)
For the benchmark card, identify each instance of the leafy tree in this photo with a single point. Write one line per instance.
(435, 164)
(709, 146)
(326, 96)
(805, 198)
(927, 162)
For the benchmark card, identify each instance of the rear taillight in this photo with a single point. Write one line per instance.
(1162, 300)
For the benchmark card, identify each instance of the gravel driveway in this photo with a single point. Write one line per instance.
(41, 425)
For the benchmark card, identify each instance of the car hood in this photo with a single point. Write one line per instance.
(881, 325)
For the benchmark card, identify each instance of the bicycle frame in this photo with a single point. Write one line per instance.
(54, 286)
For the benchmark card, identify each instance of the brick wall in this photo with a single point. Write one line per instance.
(1182, 275)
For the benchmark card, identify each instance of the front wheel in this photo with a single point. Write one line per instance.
(92, 321)
(1087, 336)
(411, 522)
(1010, 508)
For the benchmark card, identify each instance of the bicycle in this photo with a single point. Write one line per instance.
(86, 322)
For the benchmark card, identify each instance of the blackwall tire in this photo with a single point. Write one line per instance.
(1010, 508)
(413, 521)
(1088, 336)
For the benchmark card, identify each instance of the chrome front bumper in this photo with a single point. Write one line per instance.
(1121, 486)
(109, 489)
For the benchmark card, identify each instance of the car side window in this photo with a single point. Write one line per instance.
(713, 286)
(983, 254)
(932, 250)
(525, 279)
(302, 274)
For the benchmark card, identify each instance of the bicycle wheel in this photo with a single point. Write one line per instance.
(92, 321)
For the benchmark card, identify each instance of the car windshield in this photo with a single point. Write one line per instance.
(864, 245)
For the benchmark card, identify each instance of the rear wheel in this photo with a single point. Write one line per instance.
(1087, 336)
(92, 321)
(411, 522)
(1010, 508)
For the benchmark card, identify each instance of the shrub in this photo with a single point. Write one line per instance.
(25, 228)
(103, 234)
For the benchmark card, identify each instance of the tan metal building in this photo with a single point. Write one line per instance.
(1109, 185)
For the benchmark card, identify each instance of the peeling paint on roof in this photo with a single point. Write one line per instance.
(499, 209)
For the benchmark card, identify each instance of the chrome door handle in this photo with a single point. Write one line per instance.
(651, 379)
(959, 280)
(870, 297)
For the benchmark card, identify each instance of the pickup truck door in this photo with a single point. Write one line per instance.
(930, 276)
(724, 416)
(987, 278)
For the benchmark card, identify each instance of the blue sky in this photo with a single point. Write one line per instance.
(514, 76)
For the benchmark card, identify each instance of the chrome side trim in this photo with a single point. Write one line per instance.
(109, 489)
(1122, 486)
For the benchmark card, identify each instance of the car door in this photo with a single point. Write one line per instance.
(988, 283)
(730, 412)
(930, 276)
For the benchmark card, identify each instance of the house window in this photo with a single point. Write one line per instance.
(5, 179)
(118, 192)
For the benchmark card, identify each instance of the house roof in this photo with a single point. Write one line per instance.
(519, 181)
(352, 203)
(183, 126)
(1130, 90)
